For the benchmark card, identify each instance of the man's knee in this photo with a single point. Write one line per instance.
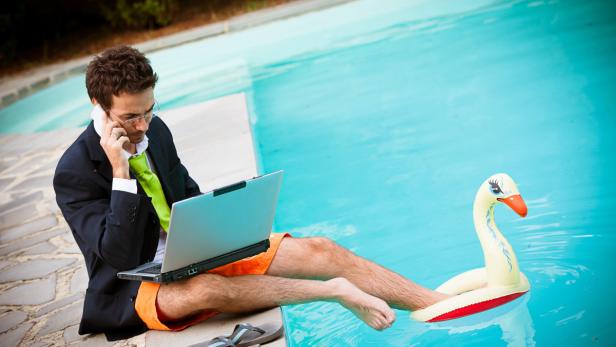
(321, 247)
(181, 299)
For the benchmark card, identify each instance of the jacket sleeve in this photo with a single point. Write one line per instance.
(112, 226)
(192, 188)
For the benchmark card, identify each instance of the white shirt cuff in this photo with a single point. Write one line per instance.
(129, 186)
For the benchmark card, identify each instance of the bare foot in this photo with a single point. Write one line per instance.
(433, 297)
(370, 309)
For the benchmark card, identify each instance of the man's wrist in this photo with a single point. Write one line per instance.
(121, 173)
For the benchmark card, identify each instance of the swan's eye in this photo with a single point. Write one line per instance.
(495, 188)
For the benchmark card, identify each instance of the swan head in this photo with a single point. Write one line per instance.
(500, 188)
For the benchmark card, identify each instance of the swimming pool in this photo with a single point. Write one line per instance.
(385, 143)
(387, 117)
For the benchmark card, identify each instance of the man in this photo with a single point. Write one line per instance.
(115, 185)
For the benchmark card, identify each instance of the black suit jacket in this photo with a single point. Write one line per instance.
(115, 230)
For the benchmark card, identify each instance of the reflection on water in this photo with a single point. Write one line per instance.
(561, 272)
(325, 229)
(513, 319)
(566, 320)
(510, 323)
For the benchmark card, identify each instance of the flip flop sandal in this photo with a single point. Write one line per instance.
(220, 341)
(245, 334)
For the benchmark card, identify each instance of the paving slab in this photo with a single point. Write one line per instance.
(41, 248)
(6, 162)
(58, 304)
(99, 340)
(22, 230)
(229, 154)
(34, 293)
(5, 263)
(79, 280)
(27, 165)
(62, 319)
(24, 145)
(70, 249)
(72, 334)
(52, 206)
(17, 216)
(44, 181)
(13, 337)
(5, 182)
(32, 269)
(50, 165)
(34, 144)
(61, 139)
(27, 242)
(68, 238)
(18, 146)
(20, 201)
(11, 319)
(6, 138)
(70, 246)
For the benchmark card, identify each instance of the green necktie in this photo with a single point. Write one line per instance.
(150, 183)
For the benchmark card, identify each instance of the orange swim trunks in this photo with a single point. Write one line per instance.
(145, 303)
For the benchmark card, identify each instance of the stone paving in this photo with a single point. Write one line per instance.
(42, 273)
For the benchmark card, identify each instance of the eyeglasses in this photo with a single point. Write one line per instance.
(147, 116)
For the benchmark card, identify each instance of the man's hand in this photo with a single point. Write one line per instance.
(113, 140)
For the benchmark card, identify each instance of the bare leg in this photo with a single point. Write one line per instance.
(321, 258)
(253, 292)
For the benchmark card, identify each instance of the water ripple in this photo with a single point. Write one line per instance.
(325, 229)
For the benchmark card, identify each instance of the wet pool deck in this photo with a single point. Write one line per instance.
(42, 273)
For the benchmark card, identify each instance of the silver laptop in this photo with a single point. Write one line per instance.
(214, 229)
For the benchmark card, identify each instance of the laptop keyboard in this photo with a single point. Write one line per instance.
(152, 270)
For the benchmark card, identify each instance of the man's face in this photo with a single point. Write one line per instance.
(133, 112)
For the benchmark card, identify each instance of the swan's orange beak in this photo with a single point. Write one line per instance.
(516, 203)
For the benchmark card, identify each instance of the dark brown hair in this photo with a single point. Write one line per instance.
(118, 70)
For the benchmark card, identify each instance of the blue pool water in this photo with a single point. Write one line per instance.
(387, 117)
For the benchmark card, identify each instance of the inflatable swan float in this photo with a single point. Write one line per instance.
(500, 281)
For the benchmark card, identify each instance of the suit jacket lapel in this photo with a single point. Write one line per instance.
(160, 163)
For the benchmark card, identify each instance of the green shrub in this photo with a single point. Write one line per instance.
(138, 14)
